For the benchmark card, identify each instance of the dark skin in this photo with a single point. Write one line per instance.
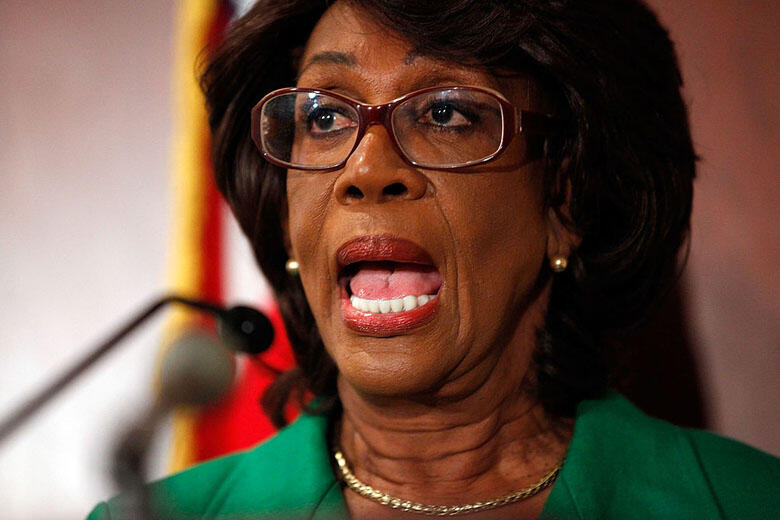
(439, 414)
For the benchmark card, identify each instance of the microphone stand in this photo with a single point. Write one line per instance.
(243, 328)
(25, 411)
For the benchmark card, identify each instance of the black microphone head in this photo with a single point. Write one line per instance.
(246, 329)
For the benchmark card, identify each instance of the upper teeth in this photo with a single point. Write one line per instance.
(406, 303)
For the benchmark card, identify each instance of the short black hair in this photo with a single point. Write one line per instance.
(620, 176)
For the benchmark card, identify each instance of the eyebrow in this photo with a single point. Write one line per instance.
(348, 59)
(335, 57)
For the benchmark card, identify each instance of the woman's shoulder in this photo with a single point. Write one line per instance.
(289, 472)
(623, 463)
(740, 476)
(617, 419)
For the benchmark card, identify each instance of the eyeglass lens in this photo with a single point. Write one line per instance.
(445, 128)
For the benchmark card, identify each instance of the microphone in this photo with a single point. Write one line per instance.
(246, 329)
(196, 370)
(243, 328)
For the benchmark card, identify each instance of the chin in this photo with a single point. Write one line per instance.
(396, 369)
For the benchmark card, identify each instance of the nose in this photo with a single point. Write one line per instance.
(375, 173)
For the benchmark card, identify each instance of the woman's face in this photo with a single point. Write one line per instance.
(381, 229)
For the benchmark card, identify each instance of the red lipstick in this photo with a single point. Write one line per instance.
(395, 251)
(377, 248)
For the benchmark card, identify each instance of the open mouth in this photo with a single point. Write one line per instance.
(388, 285)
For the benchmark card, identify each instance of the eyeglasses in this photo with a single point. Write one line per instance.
(441, 128)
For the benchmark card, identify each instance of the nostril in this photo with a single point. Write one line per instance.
(394, 189)
(353, 192)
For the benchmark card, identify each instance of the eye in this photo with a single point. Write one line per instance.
(323, 120)
(445, 114)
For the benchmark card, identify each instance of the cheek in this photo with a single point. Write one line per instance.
(307, 202)
(511, 216)
(500, 234)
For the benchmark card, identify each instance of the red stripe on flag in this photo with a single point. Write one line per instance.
(212, 287)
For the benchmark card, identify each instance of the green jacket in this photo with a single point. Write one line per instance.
(620, 464)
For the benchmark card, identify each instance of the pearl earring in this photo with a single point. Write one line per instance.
(292, 267)
(558, 263)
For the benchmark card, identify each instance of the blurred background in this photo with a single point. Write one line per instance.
(87, 203)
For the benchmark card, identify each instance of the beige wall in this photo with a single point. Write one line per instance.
(729, 51)
(85, 123)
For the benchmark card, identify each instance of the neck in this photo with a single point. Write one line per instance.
(450, 454)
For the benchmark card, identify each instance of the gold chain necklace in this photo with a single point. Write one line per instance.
(406, 505)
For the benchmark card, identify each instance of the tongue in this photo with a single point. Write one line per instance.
(382, 281)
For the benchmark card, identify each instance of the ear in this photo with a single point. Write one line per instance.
(562, 238)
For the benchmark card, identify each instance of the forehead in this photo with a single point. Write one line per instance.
(349, 48)
(353, 33)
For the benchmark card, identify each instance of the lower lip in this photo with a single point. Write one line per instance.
(390, 324)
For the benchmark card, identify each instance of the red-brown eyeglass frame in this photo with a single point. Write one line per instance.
(516, 121)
